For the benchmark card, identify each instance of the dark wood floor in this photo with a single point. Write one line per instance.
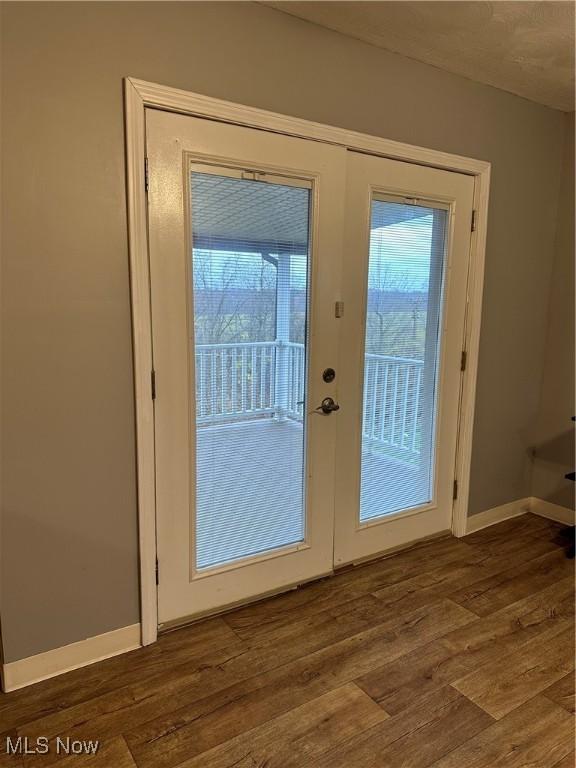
(454, 654)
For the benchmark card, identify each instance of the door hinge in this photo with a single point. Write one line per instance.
(463, 360)
(455, 490)
(338, 309)
(157, 576)
(153, 383)
(473, 222)
(146, 174)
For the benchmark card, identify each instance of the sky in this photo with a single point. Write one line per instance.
(399, 257)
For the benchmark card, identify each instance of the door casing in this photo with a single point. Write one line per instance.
(138, 95)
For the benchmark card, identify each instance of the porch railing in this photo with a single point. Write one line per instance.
(235, 380)
(255, 379)
(392, 395)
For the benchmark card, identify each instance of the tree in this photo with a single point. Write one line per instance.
(234, 297)
(396, 313)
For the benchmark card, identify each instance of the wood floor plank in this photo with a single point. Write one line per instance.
(539, 734)
(562, 692)
(512, 679)
(569, 761)
(259, 618)
(515, 528)
(298, 737)
(293, 674)
(198, 709)
(397, 684)
(272, 693)
(111, 754)
(194, 649)
(510, 547)
(192, 730)
(174, 648)
(414, 739)
(326, 626)
(556, 534)
(449, 579)
(538, 615)
(7, 758)
(288, 643)
(510, 585)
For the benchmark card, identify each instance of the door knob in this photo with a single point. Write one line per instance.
(328, 405)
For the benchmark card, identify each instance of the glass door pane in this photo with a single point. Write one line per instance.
(402, 346)
(249, 286)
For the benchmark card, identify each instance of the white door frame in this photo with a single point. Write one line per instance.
(138, 95)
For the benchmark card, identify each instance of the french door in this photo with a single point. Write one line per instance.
(307, 311)
(245, 237)
(407, 235)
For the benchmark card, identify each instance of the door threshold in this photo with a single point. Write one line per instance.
(187, 621)
(414, 544)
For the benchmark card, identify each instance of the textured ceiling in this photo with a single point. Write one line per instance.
(526, 48)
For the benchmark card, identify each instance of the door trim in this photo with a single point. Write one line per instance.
(139, 94)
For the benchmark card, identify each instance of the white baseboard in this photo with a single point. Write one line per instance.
(552, 511)
(17, 674)
(520, 507)
(497, 515)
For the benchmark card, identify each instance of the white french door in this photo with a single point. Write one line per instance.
(307, 309)
(245, 239)
(407, 240)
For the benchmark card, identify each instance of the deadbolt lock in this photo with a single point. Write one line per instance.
(329, 375)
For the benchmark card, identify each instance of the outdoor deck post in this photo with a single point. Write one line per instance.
(282, 372)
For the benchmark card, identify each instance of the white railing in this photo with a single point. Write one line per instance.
(235, 380)
(254, 379)
(392, 393)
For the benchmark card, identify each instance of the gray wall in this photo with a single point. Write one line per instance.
(69, 544)
(553, 436)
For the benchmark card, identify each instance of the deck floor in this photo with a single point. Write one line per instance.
(250, 489)
(454, 653)
(250, 495)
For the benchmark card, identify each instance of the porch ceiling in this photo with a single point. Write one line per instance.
(239, 215)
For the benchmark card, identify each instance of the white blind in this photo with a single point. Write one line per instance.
(405, 276)
(249, 288)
